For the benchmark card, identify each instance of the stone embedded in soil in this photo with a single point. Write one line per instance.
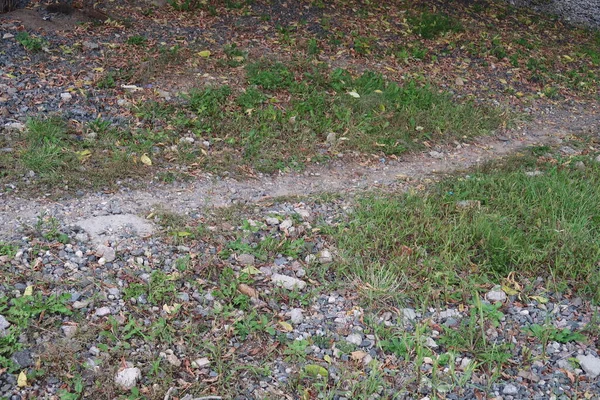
(324, 256)
(354, 338)
(288, 282)
(246, 259)
(510, 390)
(108, 253)
(590, 364)
(102, 311)
(128, 378)
(4, 324)
(296, 316)
(496, 295)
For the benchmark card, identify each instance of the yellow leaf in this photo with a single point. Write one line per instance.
(251, 270)
(183, 234)
(568, 58)
(378, 91)
(204, 53)
(509, 291)
(28, 291)
(327, 358)
(83, 155)
(358, 355)
(22, 379)
(354, 94)
(540, 299)
(316, 370)
(503, 81)
(286, 326)
(146, 160)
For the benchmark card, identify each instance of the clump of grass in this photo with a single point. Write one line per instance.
(269, 75)
(431, 25)
(545, 225)
(30, 43)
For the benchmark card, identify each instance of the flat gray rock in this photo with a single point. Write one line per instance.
(113, 227)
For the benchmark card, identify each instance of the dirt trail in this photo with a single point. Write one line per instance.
(338, 177)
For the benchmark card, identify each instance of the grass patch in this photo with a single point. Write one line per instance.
(472, 230)
(322, 112)
(431, 25)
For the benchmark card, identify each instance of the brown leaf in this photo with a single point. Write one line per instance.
(247, 290)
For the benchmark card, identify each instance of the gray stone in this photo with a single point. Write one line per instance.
(510, 390)
(23, 358)
(4, 324)
(288, 282)
(246, 259)
(287, 224)
(69, 330)
(102, 311)
(495, 295)
(109, 227)
(108, 253)
(91, 45)
(590, 364)
(354, 338)
(127, 378)
(296, 316)
(408, 314)
(324, 256)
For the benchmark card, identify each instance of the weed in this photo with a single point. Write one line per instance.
(107, 81)
(431, 25)
(7, 249)
(546, 333)
(161, 288)
(137, 40)
(269, 75)
(505, 234)
(23, 311)
(29, 42)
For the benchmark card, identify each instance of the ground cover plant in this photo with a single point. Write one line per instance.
(407, 282)
(463, 65)
(192, 117)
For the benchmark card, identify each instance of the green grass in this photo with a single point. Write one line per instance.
(431, 25)
(285, 118)
(545, 225)
(30, 43)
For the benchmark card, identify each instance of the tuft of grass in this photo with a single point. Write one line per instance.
(137, 40)
(30, 43)
(431, 25)
(269, 75)
(545, 225)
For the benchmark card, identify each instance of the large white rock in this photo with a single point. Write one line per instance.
(288, 282)
(590, 364)
(127, 378)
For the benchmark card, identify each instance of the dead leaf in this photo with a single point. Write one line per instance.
(247, 290)
(286, 326)
(146, 160)
(358, 355)
(22, 379)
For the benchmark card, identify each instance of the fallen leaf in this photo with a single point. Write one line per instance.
(204, 53)
(509, 291)
(354, 94)
(358, 355)
(83, 155)
(540, 299)
(316, 370)
(247, 290)
(251, 270)
(28, 291)
(286, 326)
(22, 379)
(146, 160)
(459, 81)
(327, 358)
